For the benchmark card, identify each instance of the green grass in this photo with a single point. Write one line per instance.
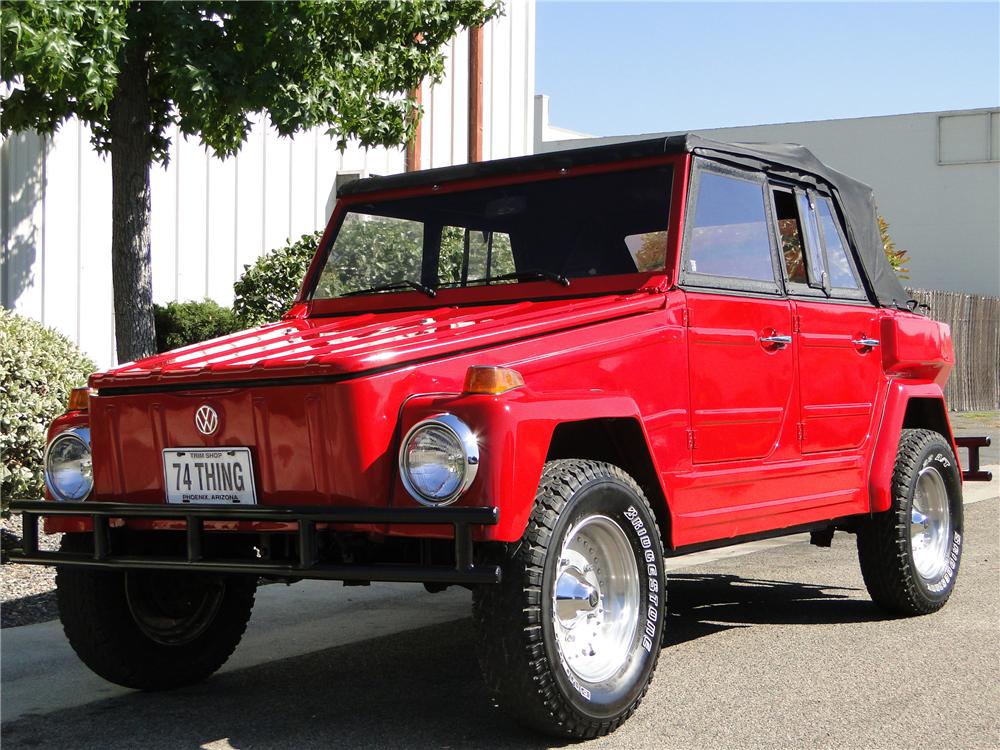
(978, 416)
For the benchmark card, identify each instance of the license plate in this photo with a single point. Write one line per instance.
(209, 476)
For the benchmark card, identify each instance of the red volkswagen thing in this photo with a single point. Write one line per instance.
(535, 378)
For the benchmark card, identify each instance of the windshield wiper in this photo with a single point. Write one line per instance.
(530, 275)
(533, 273)
(405, 284)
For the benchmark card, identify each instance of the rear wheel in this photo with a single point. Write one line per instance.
(910, 554)
(151, 630)
(569, 640)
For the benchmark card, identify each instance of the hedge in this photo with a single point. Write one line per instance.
(38, 367)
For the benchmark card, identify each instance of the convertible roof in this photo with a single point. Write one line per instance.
(855, 199)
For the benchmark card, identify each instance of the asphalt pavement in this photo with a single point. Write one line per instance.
(770, 645)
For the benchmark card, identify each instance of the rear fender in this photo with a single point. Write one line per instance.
(908, 405)
(515, 431)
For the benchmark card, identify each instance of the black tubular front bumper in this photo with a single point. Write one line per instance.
(464, 571)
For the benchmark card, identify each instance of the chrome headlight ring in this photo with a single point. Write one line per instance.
(73, 480)
(437, 483)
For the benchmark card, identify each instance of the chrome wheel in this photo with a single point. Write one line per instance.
(930, 525)
(595, 599)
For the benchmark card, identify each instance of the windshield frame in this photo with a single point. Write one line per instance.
(660, 279)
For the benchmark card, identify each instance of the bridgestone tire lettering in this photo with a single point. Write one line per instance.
(522, 665)
(884, 541)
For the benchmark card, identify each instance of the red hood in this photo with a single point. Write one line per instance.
(347, 345)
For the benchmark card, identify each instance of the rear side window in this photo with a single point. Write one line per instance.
(838, 266)
(790, 236)
(814, 250)
(729, 236)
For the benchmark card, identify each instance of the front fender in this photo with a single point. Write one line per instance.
(898, 399)
(514, 431)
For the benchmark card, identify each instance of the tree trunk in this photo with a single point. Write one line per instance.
(131, 157)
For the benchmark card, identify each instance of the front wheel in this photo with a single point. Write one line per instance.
(151, 630)
(569, 640)
(910, 553)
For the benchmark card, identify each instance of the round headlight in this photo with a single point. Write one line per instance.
(68, 468)
(439, 459)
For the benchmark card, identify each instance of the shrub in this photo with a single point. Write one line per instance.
(267, 288)
(38, 367)
(181, 323)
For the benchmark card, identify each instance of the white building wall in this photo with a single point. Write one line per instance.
(936, 177)
(211, 217)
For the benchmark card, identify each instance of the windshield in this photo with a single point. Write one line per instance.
(557, 229)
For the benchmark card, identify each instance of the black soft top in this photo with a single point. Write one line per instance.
(855, 199)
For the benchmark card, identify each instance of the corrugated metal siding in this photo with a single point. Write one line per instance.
(211, 217)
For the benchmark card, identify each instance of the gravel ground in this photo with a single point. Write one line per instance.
(27, 592)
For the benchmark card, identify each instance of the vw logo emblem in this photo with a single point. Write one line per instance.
(206, 420)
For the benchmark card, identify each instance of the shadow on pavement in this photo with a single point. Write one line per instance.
(27, 610)
(417, 689)
(718, 602)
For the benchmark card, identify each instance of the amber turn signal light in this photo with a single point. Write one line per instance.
(492, 380)
(79, 399)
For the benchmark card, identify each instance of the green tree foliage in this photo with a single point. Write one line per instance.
(131, 70)
(897, 258)
(372, 252)
(38, 367)
(181, 323)
(268, 287)
(368, 253)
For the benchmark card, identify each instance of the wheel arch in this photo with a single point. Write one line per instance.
(620, 441)
(908, 406)
(928, 413)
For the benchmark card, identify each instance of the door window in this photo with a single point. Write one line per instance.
(790, 236)
(815, 266)
(729, 236)
(838, 265)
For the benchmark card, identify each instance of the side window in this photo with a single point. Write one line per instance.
(838, 264)
(815, 266)
(729, 236)
(790, 236)
(648, 250)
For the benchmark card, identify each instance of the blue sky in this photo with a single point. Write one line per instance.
(626, 67)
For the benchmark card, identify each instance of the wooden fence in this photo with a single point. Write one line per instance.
(975, 329)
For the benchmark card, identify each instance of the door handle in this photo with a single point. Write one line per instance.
(865, 343)
(777, 340)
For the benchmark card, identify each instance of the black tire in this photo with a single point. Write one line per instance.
(522, 662)
(885, 544)
(151, 630)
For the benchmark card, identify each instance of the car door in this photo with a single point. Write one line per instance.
(739, 325)
(836, 338)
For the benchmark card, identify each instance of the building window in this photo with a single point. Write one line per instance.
(969, 138)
